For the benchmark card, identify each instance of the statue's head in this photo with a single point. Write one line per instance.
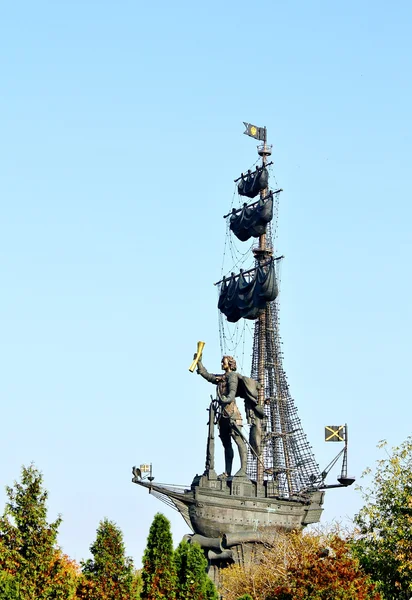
(228, 363)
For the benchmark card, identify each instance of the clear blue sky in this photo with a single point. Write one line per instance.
(121, 134)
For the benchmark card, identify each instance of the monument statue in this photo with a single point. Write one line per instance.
(230, 385)
(284, 487)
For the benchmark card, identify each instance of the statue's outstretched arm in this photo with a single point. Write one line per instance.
(205, 374)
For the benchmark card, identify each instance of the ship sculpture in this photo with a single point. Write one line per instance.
(279, 484)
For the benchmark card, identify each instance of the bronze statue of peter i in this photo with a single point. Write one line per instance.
(231, 384)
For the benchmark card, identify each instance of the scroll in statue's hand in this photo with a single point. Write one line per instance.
(224, 401)
(199, 362)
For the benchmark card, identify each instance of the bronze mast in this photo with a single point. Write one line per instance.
(285, 464)
(262, 253)
(283, 444)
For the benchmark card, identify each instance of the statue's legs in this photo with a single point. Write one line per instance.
(225, 436)
(242, 448)
(255, 435)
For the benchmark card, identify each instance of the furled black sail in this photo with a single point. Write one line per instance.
(251, 221)
(242, 298)
(252, 183)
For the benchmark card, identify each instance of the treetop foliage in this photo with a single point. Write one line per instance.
(192, 582)
(300, 566)
(384, 543)
(109, 575)
(32, 566)
(159, 573)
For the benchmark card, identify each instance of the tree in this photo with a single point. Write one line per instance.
(32, 567)
(211, 591)
(192, 582)
(300, 566)
(158, 573)
(384, 545)
(109, 575)
(9, 586)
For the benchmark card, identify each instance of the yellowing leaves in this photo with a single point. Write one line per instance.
(300, 566)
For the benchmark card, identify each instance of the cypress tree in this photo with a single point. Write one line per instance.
(158, 573)
(31, 564)
(211, 591)
(192, 582)
(109, 575)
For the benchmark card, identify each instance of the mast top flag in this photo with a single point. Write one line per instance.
(259, 133)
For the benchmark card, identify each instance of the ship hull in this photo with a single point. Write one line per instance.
(237, 509)
(238, 506)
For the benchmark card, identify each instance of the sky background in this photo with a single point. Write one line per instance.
(121, 135)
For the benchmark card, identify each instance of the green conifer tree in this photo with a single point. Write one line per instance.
(192, 582)
(158, 573)
(32, 567)
(109, 575)
(211, 591)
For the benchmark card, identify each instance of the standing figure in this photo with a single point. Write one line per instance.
(230, 422)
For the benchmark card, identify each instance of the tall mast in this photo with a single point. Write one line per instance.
(269, 357)
(286, 459)
(284, 463)
(261, 254)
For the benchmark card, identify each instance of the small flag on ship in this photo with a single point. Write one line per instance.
(335, 433)
(258, 133)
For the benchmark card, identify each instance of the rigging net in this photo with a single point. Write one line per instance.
(289, 464)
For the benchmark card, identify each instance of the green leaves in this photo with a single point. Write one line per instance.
(109, 575)
(32, 567)
(179, 575)
(384, 543)
(192, 582)
(158, 574)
